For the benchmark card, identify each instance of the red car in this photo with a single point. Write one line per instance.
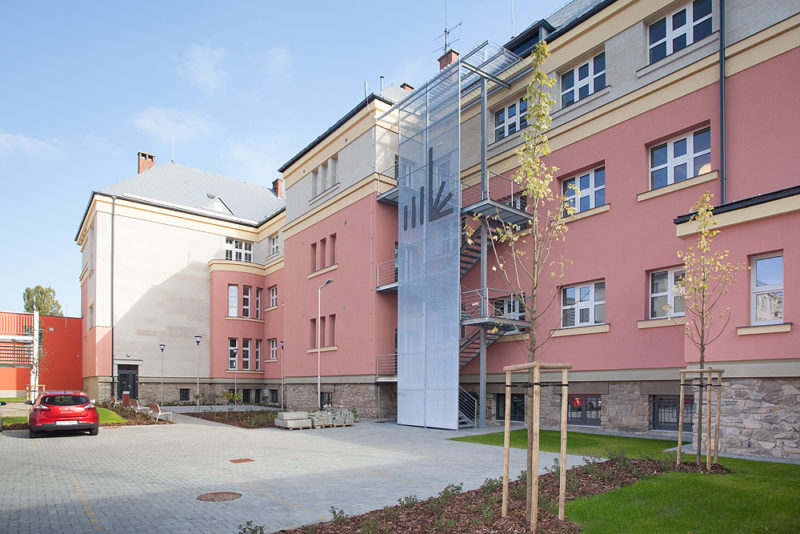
(63, 410)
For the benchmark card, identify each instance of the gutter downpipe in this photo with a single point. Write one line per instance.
(113, 212)
(722, 99)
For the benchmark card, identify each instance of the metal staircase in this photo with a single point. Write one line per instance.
(467, 409)
(471, 346)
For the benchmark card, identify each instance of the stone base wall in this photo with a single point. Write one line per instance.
(625, 408)
(760, 417)
(363, 398)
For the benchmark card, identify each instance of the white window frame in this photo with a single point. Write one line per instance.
(585, 296)
(688, 158)
(671, 34)
(756, 290)
(238, 250)
(672, 293)
(273, 348)
(507, 126)
(509, 307)
(576, 194)
(258, 302)
(233, 344)
(233, 300)
(595, 80)
(273, 296)
(273, 245)
(245, 354)
(246, 301)
(258, 354)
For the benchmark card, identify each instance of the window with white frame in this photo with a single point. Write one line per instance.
(679, 29)
(665, 299)
(245, 301)
(245, 354)
(273, 296)
(273, 349)
(586, 191)
(238, 250)
(233, 350)
(583, 305)
(509, 307)
(583, 80)
(680, 158)
(766, 289)
(510, 119)
(258, 302)
(233, 301)
(258, 355)
(324, 177)
(273, 244)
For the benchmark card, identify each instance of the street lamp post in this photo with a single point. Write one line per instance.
(283, 376)
(197, 340)
(235, 370)
(162, 347)
(319, 344)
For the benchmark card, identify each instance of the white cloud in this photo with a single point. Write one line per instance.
(22, 143)
(162, 123)
(278, 62)
(201, 66)
(255, 160)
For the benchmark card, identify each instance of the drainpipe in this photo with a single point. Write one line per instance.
(722, 99)
(113, 211)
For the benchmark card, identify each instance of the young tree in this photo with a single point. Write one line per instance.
(524, 255)
(707, 277)
(42, 299)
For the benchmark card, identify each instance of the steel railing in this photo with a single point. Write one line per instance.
(489, 302)
(15, 354)
(467, 407)
(500, 188)
(385, 365)
(16, 324)
(386, 273)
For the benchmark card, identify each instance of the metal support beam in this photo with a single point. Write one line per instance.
(486, 75)
(484, 158)
(484, 285)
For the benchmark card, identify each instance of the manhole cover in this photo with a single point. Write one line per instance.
(219, 496)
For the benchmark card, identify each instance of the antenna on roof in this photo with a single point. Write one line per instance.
(173, 144)
(446, 33)
(512, 19)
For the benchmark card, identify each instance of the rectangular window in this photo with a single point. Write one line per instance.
(517, 406)
(584, 410)
(331, 337)
(273, 349)
(184, 394)
(511, 119)
(583, 80)
(680, 158)
(258, 302)
(666, 409)
(273, 244)
(332, 249)
(245, 355)
(665, 299)
(679, 29)
(233, 301)
(333, 166)
(257, 396)
(258, 354)
(323, 257)
(586, 191)
(245, 301)
(313, 334)
(322, 331)
(237, 250)
(245, 396)
(233, 351)
(273, 296)
(313, 265)
(273, 396)
(583, 305)
(314, 185)
(766, 289)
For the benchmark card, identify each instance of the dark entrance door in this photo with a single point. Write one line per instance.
(128, 380)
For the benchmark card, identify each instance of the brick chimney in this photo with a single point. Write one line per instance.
(146, 161)
(407, 87)
(277, 187)
(447, 59)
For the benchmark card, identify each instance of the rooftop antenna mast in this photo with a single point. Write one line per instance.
(446, 33)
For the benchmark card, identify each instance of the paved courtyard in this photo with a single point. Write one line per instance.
(147, 478)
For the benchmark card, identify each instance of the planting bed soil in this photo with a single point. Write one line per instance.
(244, 419)
(478, 511)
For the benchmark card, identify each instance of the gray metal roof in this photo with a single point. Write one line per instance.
(177, 186)
(571, 11)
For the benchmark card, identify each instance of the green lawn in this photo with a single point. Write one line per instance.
(12, 399)
(753, 497)
(578, 443)
(107, 417)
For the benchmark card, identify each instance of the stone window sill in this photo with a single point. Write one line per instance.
(323, 349)
(242, 372)
(581, 330)
(271, 308)
(588, 213)
(657, 323)
(249, 319)
(671, 188)
(764, 329)
(323, 271)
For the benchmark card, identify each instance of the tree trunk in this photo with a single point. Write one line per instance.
(699, 428)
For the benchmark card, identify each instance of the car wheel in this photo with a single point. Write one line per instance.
(94, 431)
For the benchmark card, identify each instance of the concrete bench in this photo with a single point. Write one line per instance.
(157, 412)
(293, 420)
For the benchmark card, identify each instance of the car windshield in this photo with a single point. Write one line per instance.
(64, 400)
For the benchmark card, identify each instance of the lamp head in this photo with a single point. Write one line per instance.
(197, 339)
(162, 347)
(281, 345)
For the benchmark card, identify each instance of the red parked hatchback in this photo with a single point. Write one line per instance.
(63, 410)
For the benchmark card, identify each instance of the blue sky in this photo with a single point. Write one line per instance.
(243, 84)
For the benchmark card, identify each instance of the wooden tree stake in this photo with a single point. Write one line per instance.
(506, 444)
(562, 484)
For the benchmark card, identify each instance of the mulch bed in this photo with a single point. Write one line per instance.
(244, 419)
(133, 419)
(478, 511)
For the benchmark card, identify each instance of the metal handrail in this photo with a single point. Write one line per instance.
(16, 324)
(468, 404)
(485, 302)
(500, 188)
(385, 365)
(386, 272)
